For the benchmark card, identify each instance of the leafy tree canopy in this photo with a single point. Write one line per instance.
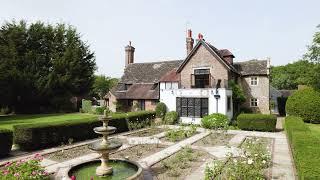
(102, 84)
(304, 72)
(42, 66)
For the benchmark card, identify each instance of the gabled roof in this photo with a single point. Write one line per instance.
(213, 50)
(150, 72)
(252, 67)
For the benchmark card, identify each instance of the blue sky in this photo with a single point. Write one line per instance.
(251, 29)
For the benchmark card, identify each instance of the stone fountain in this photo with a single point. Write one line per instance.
(105, 146)
(106, 168)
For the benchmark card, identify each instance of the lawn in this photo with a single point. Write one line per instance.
(315, 129)
(9, 121)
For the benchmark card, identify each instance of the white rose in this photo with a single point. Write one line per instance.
(250, 161)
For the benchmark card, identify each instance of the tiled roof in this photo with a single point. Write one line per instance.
(139, 91)
(171, 76)
(143, 78)
(148, 72)
(252, 67)
(225, 53)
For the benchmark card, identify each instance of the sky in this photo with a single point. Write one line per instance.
(250, 29)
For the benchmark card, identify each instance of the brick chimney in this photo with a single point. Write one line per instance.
(129, 54)
(189, 41)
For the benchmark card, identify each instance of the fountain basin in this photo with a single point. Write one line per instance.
(105, 130)
(122, 169)
(112, 145)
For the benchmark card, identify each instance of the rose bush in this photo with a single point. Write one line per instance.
(25, 169)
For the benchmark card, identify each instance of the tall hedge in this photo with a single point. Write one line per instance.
(6, 137)
(305, 104)
(258, 122)
(305, 148)
(43, 135)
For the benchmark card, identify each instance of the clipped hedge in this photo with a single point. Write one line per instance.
(6, 137)
(305, 103)
(43, 135)
(305, 148)
(257, 122)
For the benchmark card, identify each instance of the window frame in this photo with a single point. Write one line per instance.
(229, 103)
(254, 100)
(204, 107)
(252, 80)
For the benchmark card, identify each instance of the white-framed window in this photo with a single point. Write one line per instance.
(254, 81)
(254, 102)
(168, 85)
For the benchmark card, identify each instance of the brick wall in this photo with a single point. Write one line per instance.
(202, 58)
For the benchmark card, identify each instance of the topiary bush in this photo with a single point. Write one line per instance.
(305, 104)
(161, 110)
(6, 137)
(171, 118)
(215, 121)
(258, 122)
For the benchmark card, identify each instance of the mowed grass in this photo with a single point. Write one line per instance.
(315, 129)
(9, 121)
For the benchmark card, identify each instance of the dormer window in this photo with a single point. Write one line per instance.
(127, 86)
(254, 81)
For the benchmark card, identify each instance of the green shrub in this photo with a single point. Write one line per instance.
(215, 121)
(182, 132)
(161, 110)
(171, 118)
(6, 137)
(100, 110)
(305, 104)
(304, 146)
(258, 122)
(86, 106)
(43, 135)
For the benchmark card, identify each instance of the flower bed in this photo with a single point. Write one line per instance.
(148, 132)
(253, 162)
(183, 132)
(180, 164)
(25, 169)
(132, 153)
(215, 139)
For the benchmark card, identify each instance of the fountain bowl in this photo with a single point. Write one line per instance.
(122, 169)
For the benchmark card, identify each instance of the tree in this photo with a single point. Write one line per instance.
(291, 75)
(313, 53)
(43, 66)
(102, 85)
